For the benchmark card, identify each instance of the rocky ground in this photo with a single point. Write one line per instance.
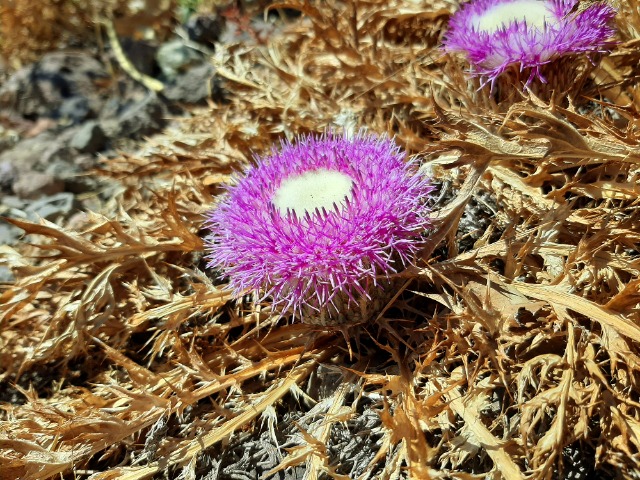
(64, 115)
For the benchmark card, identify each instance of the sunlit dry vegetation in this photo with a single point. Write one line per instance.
(28, 30)
(510, 351)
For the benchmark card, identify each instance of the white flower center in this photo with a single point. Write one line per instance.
(313, 189)
(534, 12)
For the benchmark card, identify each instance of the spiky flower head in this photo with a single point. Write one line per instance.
(318, 222)
(496, 34)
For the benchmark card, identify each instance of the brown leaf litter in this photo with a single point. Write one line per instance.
(507, 349)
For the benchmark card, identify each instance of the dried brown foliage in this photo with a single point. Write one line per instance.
(503, 350)
(28, 29)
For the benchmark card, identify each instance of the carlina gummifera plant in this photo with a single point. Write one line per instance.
(495, 35)
(320, 224)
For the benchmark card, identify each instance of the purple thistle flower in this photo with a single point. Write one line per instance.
(495, 34)
(316, 223)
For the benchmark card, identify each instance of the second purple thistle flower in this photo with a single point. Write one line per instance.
(320, 224)
(497, 34)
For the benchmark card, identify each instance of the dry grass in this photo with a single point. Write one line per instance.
(505, 350)
(28, 30)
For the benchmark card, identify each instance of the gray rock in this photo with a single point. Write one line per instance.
(9, 235)
(8, 175)
(85, 162)
(41, 89)
(90, 138)
(37, 153)
(52, 207)
(11, 201)
(34, 185)
(140, 118)
(72, 177)
(194, 86)
(205, 29)
(27, 154)
(74, 110)
(6, 275)
(174, 56)
(62, 170)
(8, 138)
(110, 111)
